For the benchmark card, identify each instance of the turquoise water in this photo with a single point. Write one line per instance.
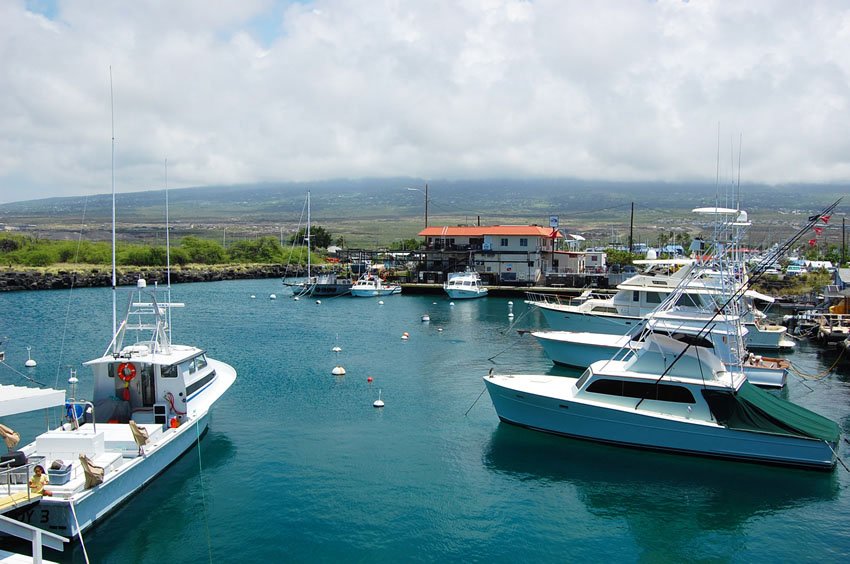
(299, 467)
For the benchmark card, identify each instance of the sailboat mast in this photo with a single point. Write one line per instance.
(114, 275)
(308, 238)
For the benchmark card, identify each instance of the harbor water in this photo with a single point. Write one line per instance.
(298, 466)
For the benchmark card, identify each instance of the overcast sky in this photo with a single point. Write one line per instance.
(260, 90)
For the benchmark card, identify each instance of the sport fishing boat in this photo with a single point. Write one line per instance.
(669, 396)
(641, 294)
(464, 285)
(371, 285)
(150, 403)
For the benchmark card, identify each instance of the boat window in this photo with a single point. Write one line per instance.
(192, 366)
(110, 370)
(653, 297)
(642, 390)
(195, 386)
(201, 362)
(168, 371)
(686, 300)
(583, 379)
(635, 296)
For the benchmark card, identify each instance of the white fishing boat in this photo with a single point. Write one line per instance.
(669, 396)
(150, 402)
(724, 338)
(372, 285)
(464, 285)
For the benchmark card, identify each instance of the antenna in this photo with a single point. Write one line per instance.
(167, 251)
(114, 276)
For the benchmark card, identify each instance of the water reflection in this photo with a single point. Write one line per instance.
(671, 503)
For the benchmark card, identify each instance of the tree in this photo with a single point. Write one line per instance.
(320, 238)
(203, 251)
(622, 258)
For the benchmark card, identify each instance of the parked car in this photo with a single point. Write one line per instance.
(795, 270)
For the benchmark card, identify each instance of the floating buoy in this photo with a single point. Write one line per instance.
(378, 402)
(433, 303)
(439, 329)
(426, 317)
(318, 301)
(337, 349)
(510, 309)
(30, 363)
(381, 302)
(253, 297)
(451, 303)
(405, 336)
(273, 297)
(510, 303)
(338, 371)
(295, 298)
(369, 379)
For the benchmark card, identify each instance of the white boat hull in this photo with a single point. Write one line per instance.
(374, 293)
(457, 294)
(54, 514)
(771, 338)
(627, 426)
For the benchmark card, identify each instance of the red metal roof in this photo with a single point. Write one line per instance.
(530, 230)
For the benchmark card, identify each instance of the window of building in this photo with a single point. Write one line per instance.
(504, 241)
(523, 242)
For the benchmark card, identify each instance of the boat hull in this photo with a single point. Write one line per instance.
(374, 293)
(56, 515)
(627, 427)
(559, 319)
(466, 294)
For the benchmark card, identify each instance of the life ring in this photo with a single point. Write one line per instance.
(126, 371)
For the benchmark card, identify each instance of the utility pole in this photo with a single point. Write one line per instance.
(843, 243)
(426, 206)
(632, 229)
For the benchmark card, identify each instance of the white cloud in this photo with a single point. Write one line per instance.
(238, 92)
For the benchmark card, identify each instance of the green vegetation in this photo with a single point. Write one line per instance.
(20, 250)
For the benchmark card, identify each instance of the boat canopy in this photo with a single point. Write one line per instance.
(754, 409)
(21, 399)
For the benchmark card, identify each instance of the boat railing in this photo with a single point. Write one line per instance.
(560, 300)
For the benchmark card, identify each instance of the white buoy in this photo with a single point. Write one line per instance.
(295, 298)
(433, 303)
(510, 309)
(439, 330)
(426, 318)
(337, 349)
(319, 302)
(30, 363)
(253, 297)
(405, 336)
(451, 303)
(338, 371)
(381, 302)
(273, 297)
(378, 402)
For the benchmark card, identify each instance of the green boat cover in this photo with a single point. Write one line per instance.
(754, 409)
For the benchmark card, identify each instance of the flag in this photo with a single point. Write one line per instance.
(818, 230)
(813, 242)
(823, 218)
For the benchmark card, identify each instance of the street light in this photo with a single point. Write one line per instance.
(426, 201)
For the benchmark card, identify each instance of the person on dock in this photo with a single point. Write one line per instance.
(39, 480)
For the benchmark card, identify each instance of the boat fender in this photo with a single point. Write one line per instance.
(126, 371)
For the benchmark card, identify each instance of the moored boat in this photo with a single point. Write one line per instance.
(464, 285)
(150, 402)
(372, 285)
(693, 405)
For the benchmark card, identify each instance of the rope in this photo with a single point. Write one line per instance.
(818, 375)
(79, 532)
(476, 399)
(203, 495)
(21, 374)
(836, 456)
(503, 350)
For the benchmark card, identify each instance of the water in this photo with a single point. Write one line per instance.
(299, 467)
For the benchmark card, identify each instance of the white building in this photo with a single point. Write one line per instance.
(500, 253)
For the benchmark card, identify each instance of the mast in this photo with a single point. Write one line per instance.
(114, 276)
(309, 281)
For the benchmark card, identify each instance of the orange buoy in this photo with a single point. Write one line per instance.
(174, 423)
(369, 379)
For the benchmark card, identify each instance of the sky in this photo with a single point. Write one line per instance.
(239, 92)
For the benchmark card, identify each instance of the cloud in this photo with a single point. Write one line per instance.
(264, 91)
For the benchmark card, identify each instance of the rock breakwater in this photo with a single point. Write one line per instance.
(57, 279)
